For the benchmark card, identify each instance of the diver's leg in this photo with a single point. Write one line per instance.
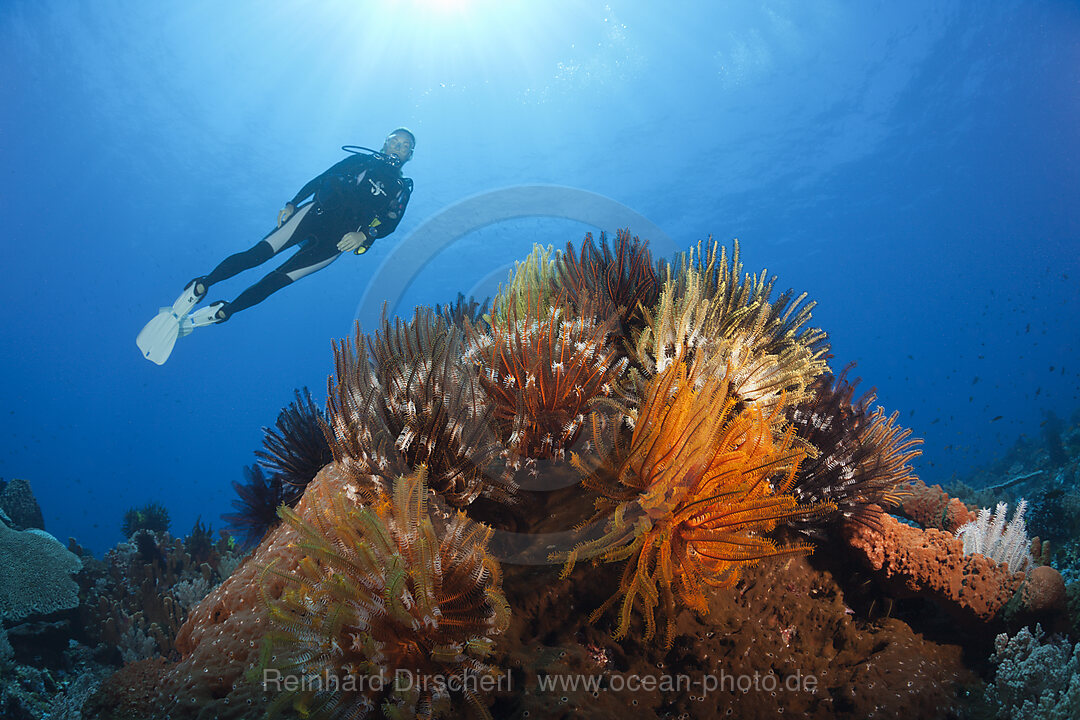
(312, 257)
(275, 241)
(235, 264)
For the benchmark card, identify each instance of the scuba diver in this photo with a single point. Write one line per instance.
(359, 199)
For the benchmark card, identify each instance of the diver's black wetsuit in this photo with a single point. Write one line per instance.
(363, 193)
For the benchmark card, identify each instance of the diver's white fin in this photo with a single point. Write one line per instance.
(157, 338)
(202, 317)
(186, 327)
(187, 300)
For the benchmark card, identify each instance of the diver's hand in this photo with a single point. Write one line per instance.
(285, 214)
(354, 241)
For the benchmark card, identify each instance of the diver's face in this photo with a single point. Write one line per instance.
(399, 145)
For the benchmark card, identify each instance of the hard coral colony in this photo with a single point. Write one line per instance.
(694, 412)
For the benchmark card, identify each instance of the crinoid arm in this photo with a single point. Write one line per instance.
(725, 325)
(612, 283)
(463, 311)
(383, 588)
(255, 505)
(410, 397)
(542, 368)
(709, 481)
(863, 457)
(296, 447)
(531, 286)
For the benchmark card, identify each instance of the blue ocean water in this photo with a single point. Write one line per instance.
(913, 167)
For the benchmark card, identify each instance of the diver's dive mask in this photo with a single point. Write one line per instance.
(399, 144)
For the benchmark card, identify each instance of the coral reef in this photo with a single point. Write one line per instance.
(132, 692)
(720, 453)
(1053, 427)
(220, 644)
(463, 311)
(1055, 516)
(1048, 475)
(33, 693)
(1036, 678)
(379, 591)
(792, 636)
(932, 507)
(532, 285)
(724, 325)
(932, 563)
(134, 601)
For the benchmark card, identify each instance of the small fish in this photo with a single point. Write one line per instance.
(997, 418)
(975, 380)
(1051, 368)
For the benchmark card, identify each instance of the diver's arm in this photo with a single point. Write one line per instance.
(290, 207)
(387, 221)
(342, 167)
(339, 168)
(359, 241)
(356, 242)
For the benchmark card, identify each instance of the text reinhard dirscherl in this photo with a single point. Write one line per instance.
(471, 681)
